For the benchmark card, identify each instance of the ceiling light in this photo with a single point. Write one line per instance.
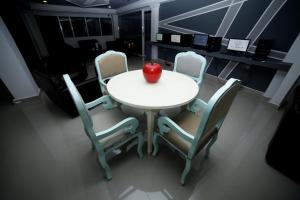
(45, 1)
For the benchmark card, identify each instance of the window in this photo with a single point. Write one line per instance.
(66, 26)
(106, 26)
(79, 27)
(93, 25)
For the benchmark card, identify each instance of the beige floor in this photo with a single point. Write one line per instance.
(45, 154)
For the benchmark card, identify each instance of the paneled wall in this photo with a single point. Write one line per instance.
(252, 19)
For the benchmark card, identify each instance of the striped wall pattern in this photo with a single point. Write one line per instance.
(252, 19)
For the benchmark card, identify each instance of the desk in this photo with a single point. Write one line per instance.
(269, 63)
(172, 90)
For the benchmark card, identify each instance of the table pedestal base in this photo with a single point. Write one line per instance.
(151, 114)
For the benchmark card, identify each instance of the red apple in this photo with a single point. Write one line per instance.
(152, 72)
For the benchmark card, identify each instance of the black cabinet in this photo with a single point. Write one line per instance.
(284, 149)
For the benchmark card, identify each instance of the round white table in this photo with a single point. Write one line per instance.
(172, 90)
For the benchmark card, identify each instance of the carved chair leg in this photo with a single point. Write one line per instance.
(211, 142)
(155, 150)
(93, 146)
(104, 165)
(140, 145)
(185, 171)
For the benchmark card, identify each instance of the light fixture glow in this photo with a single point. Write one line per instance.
(45, 1)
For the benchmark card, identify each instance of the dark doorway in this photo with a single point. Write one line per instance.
(11, 15)
(51, 33)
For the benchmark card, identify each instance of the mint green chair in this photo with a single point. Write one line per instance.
(191, 64)
(119, 131)
(109, 64)
(197, 126)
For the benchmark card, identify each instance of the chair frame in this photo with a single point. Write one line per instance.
(129, 125)
(165, 124)
(193, 54)
(98, 67)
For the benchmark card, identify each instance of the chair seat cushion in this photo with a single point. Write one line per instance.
(189, 122)
(105, 119)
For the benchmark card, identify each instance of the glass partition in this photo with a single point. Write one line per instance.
(130, 28)
(79, 27)
(66, 26)
(106, 26)
(93, 26)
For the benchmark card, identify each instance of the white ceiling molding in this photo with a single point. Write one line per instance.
(69, 9)
(88, 3)
(140, 4)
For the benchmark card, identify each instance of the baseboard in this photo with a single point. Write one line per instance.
(24, 99)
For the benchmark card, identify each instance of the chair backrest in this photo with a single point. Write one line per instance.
(216, 111)
(110, 63)
(80, 105)
(191, 64)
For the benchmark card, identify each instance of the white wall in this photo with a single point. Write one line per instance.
(291, 77)
(13, 69)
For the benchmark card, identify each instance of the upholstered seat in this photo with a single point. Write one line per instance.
(189, 122)
(198, 126)
(109, 64)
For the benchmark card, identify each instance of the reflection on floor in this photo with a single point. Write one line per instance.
(45, 154)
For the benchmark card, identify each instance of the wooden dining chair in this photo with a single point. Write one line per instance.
(198, 126)
(191, 64)
(108, 132)
(109, 64)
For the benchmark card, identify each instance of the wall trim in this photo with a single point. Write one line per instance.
(26, 99)
(69, 9)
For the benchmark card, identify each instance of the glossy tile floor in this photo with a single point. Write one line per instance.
(46, 155)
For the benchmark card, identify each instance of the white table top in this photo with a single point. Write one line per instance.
(172, 90)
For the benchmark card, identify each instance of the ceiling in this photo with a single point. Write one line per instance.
(113, 3)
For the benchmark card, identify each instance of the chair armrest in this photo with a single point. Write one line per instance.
(199, 83)
(106, 102)
(197, 105)
(165, 124)
(130, 125)
(102, 83)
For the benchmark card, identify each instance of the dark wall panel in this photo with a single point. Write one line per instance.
(254, 77)
(248, 15)
(167, 54)
(162, 30)
(177, 7)
(285, 26)
(206, 23)
(216, 66)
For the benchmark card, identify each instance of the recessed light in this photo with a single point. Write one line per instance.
(109, 6)
(45, 1)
